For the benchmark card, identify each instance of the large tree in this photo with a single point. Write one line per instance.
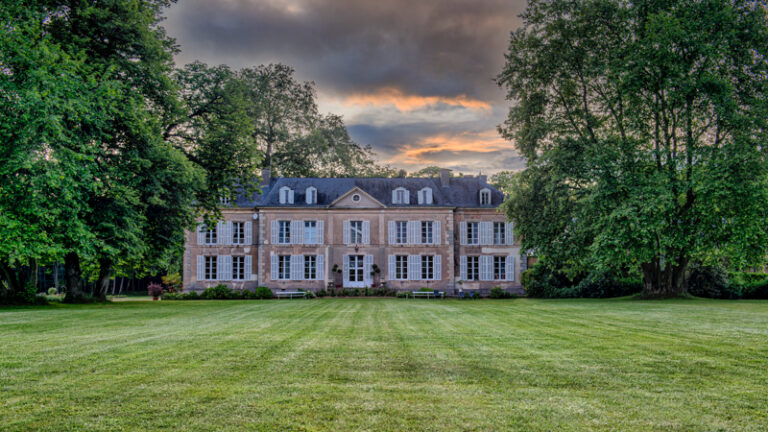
(644, 125)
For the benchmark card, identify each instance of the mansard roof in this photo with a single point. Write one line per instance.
(462, 191)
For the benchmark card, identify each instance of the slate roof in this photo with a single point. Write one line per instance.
(462, 192)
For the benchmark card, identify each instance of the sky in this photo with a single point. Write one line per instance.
(414, 79)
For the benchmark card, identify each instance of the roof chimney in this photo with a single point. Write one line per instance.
(266, 176)
(483, 178)
(445, 177)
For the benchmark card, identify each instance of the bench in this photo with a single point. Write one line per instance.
(290, 294)
(428, 294)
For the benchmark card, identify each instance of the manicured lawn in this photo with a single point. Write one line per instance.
(386, 364)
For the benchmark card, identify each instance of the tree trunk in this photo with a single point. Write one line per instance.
(102, 283)
(56, 275)
(73, 276)
(664, 280)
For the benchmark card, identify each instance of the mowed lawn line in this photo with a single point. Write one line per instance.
(340, 364)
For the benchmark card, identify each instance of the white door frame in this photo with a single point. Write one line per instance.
(358, 260)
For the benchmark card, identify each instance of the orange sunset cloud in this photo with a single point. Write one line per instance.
(410, 102)
(483, 142)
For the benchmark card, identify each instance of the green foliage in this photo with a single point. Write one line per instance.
(643, 124)
(52, 291)
(544, 280)
(404, 294)
(499, 293)
(264, 293)
(218, 292)
(709, 282)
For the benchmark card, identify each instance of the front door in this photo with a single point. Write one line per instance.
(355, 277)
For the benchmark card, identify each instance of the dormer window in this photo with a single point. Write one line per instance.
(286, 195)
(400, 196)
(311, 195)
(425, 196)
(224, 201)
(485, 197)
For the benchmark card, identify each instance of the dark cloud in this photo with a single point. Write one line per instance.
(426, 47)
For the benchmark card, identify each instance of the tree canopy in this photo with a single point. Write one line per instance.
(644, 127)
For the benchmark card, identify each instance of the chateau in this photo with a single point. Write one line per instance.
(444, 233)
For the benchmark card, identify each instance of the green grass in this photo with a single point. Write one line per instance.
(386, 364)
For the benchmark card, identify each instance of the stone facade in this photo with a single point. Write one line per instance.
(445, 234)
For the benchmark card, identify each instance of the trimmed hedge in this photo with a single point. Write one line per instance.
(542, 282)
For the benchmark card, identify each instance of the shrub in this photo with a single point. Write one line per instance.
(310, 295)
(219, 292)
(425, 289)
(155, 290)
(499, 293)
(171, 296)
(192, 295)
(403, 294)
(263, 292)
(322, 293)
(172, 282)
(601, 284)
(52, 291)
(709, 282)
(476, 295)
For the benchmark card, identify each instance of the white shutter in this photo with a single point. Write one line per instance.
(345, 227)
(249, 233)
(297, 232)
(220, 267)
(320, 232)
(391, 267)
(391, 228)
(367, 233)
(414, 232)
(228, 233)
(320, 267)
(273, 229)
(510, 234)
(414, 267)
(227, 267)
(463, 267)
(428, 196)
(290, 196)
(297, 267)
(367, 269)
(273, 270)
(510, 267)
(486, 267)
(407, 196)
(463, 233)
(394, 197)
(200, 235)
(200, 267)
(420, 196)
(437, 232)
(248, 267)
(486, 233)
(220, 234)
(438, 275)
(345, 267)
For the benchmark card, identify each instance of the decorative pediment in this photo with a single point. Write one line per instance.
(356, 198)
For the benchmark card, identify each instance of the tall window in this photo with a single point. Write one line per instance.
(284, 267)
(356, 232)
(401, 232)
(310, 267)
(238, 232)
(284, 232)
(210, 267)
(427, 267)
(310, 232)
(485, 197)
(238, 268)
(473, 233)
(473, 268)
(499, 268)
(499, 233)
(427, 234)
(211, 236)
(401, 267)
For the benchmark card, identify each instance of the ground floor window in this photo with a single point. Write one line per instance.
(284, 267)
(210, 267)
(401, 267)
(355, 268)
(499, 268)
(238, 268)
(473, 268)
(427, 267)
(310, 267)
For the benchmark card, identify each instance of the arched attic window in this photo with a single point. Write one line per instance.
(485, 196)
(425, 196)
(400, 196)
(311, 194)
(286, 195)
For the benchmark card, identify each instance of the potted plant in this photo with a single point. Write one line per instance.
(375, 274)
(155, 290)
